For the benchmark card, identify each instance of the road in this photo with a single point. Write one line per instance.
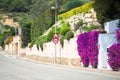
(17, 69)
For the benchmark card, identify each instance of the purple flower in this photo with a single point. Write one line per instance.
(114, 56)
(88, 48)
(118, 35)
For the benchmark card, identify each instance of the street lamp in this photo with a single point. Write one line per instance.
(55, 8)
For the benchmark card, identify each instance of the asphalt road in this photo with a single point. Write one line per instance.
(17, 69)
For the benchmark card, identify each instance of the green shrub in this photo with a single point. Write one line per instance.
(89, 28)
(76, 26)
(41, 40)
(50, 35)
(1, 40)
(37, 46)
(62, 41)
(15, 19)
(64, 29)
(31, 44)
(69, 35)
(62, 22)
(72, 4)
(82, 9)
(1, 17)
(43, 22)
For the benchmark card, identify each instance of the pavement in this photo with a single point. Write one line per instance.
(116, 73)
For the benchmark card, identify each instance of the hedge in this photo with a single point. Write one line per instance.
(82, 9)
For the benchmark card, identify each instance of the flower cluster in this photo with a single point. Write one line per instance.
(82, 43)
(93, 48)
(114, 56)
(118, 35)
(87, 48)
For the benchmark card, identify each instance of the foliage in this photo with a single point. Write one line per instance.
(64, 29)
(41, 23)
(19, 5)
(5, 4)
(87, 48)
(26, 34)
(62, 41)
(114, 56)
(72, 4)
(78, 24)
(41, 40)
(15, 5)
(31, 44)
(12, 30)
(50, 35)
(89, 28)
(1, 40)
(82, 9)
(69, 35)
(61, 31)
(40, 6)
(106, 12)
(6, 32)
(1, 17)
(25, 23)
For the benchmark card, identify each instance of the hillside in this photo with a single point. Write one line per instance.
(35, 17)
(71, 26)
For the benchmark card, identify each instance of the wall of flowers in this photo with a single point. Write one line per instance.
(114, 53)
(88, 48)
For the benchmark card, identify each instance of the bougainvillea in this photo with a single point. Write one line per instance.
(87, 48)
(82, 48)
(118, 35)
(114, 53)
(93, 48)
(114, 56)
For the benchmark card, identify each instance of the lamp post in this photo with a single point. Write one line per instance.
(55, 8)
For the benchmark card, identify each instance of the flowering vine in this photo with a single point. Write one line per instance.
(114, 53)
(88, 48)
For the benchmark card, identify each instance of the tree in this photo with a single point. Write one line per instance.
(19, 5)
(107, 10)
(43, 22)
(72, 4)
(25, 24)
(15, 5)
(40, 6)
(26, 34)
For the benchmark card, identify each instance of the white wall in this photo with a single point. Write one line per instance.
(111, 26)
(68, 51)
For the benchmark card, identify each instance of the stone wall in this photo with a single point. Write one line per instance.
(15, 46)
(67, 55)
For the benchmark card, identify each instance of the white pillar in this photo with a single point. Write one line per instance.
(105, 40)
